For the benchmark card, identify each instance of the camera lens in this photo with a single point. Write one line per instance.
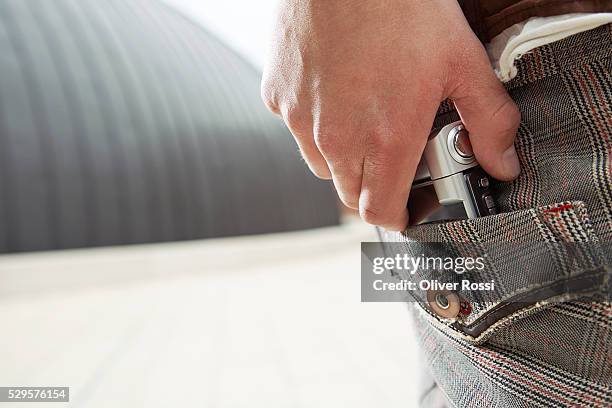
(458, 144)
(462, 144)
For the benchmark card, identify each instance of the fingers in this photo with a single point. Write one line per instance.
(300, 127)
(372, 170)
(388, 171)
(345, 163)
(491, 117)
(348, 185)
(315, 161)
(299, 122)
(302, 131)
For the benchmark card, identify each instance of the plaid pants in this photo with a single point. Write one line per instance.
(546, 353)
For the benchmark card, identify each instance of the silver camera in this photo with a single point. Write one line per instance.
(449, 184)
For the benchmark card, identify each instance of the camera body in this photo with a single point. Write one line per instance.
(448, 170)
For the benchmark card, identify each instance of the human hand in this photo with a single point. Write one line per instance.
(358, 83)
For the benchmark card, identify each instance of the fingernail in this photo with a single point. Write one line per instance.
(511, 162)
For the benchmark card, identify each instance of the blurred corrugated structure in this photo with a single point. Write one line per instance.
(124, 122)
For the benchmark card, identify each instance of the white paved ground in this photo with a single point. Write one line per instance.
(268, 321)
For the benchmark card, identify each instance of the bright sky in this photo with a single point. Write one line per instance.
(243, 24)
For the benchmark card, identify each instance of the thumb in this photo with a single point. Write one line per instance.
(491, 118)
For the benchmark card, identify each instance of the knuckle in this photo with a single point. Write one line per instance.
(325, 142)
(371, 215)
(514, 115)
(315, 162)
(383, 144)
(507, 116)
(379, 142)
(350, 200)
(319, 170)
(381, 211)
(268, 99)
(295, 120)
(350, 203)
(320, 174)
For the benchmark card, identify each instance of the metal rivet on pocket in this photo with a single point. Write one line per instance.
(445, 304)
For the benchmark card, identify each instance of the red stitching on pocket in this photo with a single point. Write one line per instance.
(465, 307)
(559, 208)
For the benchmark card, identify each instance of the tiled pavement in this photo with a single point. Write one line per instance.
(267, 321)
